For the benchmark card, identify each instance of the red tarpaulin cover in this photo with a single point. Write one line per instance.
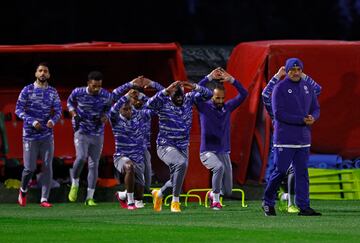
(69, 66)
(335, 65)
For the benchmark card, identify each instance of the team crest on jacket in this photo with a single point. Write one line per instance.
(289, 91)
(306, 89)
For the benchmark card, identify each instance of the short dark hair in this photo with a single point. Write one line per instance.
(140, 89)
(219, 86)
(44, 64)
(179, 91)
(95, 75)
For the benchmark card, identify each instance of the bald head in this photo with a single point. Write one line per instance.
(218, 97)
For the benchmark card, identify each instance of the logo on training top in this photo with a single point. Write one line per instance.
(27, 147)
(306, 89)
(289, 91)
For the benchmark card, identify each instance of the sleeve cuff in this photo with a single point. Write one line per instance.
(209, 77)
(197, 87)
(141, 95)
(276, 77)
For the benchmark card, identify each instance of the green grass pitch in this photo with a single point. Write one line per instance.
(67, 222)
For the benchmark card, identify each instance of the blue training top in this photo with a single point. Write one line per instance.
(38, 104)
(128, 134)
(175, 121)
(291, 103)
(90, 108)
(215, 123)
(119, 91)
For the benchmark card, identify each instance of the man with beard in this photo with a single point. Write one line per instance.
(286, 202)
(89, 107)
(215, 123)
(137, 102)
(295, 108)
(174, 109)
(39, 107)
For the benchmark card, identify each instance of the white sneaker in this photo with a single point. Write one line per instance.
(139, 204)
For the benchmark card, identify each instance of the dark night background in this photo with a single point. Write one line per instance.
(189, 22)
(207, 31)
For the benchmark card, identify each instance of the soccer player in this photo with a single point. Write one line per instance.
(285, 198)
(295, 108)
(89, 107)
(174, 109)
(127, 125)
(138, 102)
(215, 117)
(39, 107)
